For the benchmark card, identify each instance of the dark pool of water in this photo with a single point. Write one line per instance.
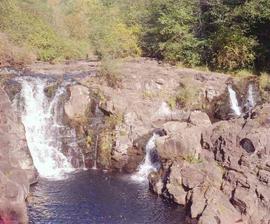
(96, 197)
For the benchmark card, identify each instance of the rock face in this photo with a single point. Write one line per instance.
(17, 171)
(220, 172)
(78, 104)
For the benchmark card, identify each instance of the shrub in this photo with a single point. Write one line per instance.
(265, 82)
(13, 55)
(186, 97)
(109, 34)
(109, 70)
(193, 159)
(232, 50)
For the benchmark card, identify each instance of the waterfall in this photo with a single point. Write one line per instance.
(250, 99)
(40, 117)
(147, 166)
(234, 102)
(95, 159)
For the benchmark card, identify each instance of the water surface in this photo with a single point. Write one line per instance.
(91, 197)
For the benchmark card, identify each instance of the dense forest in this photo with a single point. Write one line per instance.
(222, 35)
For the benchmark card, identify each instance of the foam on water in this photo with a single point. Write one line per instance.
(147, 166)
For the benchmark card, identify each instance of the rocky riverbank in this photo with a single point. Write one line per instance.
(214, 160)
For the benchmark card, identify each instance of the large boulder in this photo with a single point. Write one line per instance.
(78, 104)
(183, 139)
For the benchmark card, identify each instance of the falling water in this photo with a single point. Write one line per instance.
(234, 102)
(147, 166)
(95, 159)
(43, 131)
(251, 101)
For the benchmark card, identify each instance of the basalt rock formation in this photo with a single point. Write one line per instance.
(220, 174)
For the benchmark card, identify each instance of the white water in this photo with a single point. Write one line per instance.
(251, 101)
(234, 102)
(95, 159)
(40, 118)
(147, 166)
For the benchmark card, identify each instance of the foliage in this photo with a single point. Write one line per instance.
(12, 54)
(222, 35)
(265, 82)
(193, 159)
(107, 32)
(231, 50)
(169, 31)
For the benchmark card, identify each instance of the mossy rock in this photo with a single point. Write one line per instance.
(51, 89)
(12, 88)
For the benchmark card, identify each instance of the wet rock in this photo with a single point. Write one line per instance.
(155, 182)
(12, 88)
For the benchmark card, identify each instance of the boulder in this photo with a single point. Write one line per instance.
(78, 104)
(199, 119)
(183, 140)
(175, 186)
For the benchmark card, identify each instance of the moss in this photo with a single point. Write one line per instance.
(105, 148)
(89, 140)
(51, 90)
(186, 97)
(192, 159)
(99, 96)
(107, 139)
(114, 120)
(149, 94)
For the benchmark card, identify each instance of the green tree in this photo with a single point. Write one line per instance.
(170, 31)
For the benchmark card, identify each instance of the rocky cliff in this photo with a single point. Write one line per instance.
(16, 166)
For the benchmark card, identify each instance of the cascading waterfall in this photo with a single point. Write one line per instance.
(95, 155)
(147, 166)
(40, 117)
(234, 102)
(250, 99)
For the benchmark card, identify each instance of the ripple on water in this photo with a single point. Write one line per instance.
(94, 197)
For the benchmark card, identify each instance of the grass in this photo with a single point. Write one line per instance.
(186, 97)
(243, 73)
(192, 159)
